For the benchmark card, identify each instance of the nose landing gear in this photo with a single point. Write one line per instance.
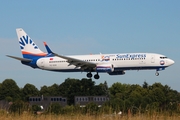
(157, 73)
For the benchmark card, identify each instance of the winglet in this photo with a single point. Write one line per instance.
(47, 48)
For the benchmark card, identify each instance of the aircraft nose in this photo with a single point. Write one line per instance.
(171, 62)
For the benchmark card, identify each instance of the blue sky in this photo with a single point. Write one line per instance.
(90, 27)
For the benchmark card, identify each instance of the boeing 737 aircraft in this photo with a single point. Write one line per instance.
(113, 64)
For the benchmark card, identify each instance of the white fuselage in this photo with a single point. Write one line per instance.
(126, 61)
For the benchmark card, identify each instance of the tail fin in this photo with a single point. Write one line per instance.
(28, 48)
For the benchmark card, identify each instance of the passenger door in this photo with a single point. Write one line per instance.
(152, 59)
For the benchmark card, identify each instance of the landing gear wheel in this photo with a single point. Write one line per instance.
(89, 75)
(157, 74)
(96, 76)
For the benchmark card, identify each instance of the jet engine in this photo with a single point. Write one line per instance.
(105, 68)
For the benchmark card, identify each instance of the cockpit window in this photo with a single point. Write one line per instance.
(163, 57)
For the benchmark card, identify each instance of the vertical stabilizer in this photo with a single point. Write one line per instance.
(28, 48)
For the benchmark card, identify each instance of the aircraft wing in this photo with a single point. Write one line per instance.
(78, 63)
(73, 61)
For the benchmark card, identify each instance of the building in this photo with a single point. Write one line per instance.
(84, 100)
(44, 102)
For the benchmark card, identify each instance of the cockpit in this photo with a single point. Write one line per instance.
(163, 57)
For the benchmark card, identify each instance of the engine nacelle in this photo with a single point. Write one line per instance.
(116, 73)
(105, 68)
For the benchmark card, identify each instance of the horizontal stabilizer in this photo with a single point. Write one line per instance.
(21, 59)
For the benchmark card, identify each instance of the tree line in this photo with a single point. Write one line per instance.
(10, 91)
(123, 97)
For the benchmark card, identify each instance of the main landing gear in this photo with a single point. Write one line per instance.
(89, 75)
(157, 73)
(96, 76)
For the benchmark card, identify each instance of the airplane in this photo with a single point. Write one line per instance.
(113, 64)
